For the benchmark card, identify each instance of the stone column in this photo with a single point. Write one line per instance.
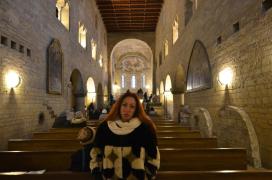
(177, 102)
(176, 106)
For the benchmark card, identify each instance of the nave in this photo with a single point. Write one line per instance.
(184, 155)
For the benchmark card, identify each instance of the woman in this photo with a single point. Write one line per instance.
(125, 145)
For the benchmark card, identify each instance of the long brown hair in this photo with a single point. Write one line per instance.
(139, 111)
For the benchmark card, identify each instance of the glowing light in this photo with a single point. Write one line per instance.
(225, 76)
(12, 79)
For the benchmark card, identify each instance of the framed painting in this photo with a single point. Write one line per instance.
(55, 68)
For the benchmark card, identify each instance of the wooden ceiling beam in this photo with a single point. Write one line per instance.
(131, 30)
(130, 15)
(130, 9)
(132, 23)
(104, 14)
(130, 20)
(127, 2)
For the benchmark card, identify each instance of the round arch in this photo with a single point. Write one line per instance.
(161, 92)
(91, 93)
(131, 57)
(77, 91)
(168, 96)
(178, 86)
(99, 97)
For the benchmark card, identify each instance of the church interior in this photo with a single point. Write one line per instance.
(204, 65)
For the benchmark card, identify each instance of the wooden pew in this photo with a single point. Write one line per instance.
(162, 175)
(166, 123)
(216, 175)
(159, 128)
(43, 144)
(75, 130)
(173, 128)
(72, 144)
(35, 160)
(171, 160)
(173, 142)
(73, 135)
(54, 135)
(203, 159)
(181, 134)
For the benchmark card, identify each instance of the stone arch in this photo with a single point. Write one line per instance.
(77, 91)
(188, 11)
(199, 74)
(131, 57)
(168, 96)
(242, 133)
(178, 86)
(162, 92)
(99, 97)
(105, 94)
(91, 92)
(201, 119)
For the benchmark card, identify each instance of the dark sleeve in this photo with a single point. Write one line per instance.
(152, 161)
(96, 153)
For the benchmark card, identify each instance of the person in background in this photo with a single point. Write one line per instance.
(103, 115)
(125, 145)
(80, 159)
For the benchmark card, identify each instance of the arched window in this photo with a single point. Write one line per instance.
(101, 60)
(188, 11)
(165, 48)
(93, 43)
(133, 81)
(82, 35)
(62, 12)
(199, 74)
(175, 29)
(143, 81)
(123, 81)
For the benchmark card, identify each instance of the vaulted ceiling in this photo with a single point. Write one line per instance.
(130, 15)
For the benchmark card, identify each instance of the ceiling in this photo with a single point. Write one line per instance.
(130, 15)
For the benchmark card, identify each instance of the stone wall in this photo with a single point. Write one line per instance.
(248, 52)
(33, 25)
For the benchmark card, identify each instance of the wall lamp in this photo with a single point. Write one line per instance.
(13, 79)
(225, 76)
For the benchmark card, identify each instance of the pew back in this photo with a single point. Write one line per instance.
(72, 144)
(171, 159)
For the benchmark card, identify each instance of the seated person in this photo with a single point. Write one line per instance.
(81, 158)
(78, 120)
(103, 115)
(152, 111)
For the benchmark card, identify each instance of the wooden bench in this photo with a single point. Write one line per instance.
(72, 144)
(171, 160)
(43, 144)
(73, 135)
(216, 175)
(159, 128)
(35, 160)
(162, 175)
(174, 142)
(173, 127)
(203, 159)
(181, 134)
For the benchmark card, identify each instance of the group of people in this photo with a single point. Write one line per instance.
(124, 145)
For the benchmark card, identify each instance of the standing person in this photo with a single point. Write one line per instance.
(125, 145)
